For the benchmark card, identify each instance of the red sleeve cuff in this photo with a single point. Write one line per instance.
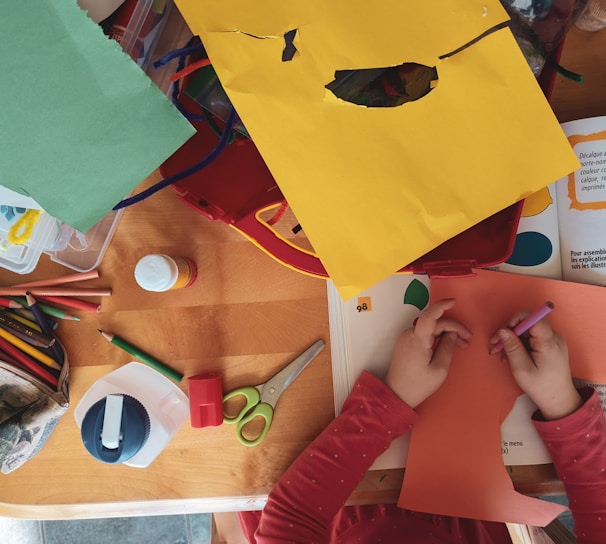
(585, 416)
(390, 409)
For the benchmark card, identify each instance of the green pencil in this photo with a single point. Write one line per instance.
(142, 356)
(48, 310)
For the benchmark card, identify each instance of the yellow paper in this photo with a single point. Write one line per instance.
(376, 188)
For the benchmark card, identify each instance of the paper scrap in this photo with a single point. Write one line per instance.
(456, 444)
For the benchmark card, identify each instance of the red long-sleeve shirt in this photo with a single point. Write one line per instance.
(306, 504)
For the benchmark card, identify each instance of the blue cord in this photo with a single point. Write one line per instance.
(183, 52)
(229, 125)
(175, 90)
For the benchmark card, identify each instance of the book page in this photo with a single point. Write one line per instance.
(537, 246)
(582, 204)
(363, 331)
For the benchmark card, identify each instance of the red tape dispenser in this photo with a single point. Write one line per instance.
(205, 400)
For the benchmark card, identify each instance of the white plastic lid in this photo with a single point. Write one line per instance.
(165, 403)
(156, 273)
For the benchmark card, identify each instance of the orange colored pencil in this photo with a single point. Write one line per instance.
(70, 278)
(57, 291)
(73, 303)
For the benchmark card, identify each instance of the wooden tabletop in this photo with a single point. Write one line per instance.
(245, 317)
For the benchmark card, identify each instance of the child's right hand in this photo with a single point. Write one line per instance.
(542, 371)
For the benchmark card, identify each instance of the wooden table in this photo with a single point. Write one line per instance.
(245, 317)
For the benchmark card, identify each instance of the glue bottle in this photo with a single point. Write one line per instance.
(162, 273)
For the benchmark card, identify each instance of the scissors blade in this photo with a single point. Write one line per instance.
(273, 388)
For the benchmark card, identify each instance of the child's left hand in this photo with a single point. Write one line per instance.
(422, 355)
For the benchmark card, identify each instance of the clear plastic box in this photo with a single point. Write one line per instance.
(65, 245)
(23, 258)
(84, 251)
(137, 25)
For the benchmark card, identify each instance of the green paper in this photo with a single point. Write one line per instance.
(81, 125)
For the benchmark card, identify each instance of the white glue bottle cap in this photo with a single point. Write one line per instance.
(162, 273)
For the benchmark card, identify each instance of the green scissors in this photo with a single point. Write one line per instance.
(262, 399)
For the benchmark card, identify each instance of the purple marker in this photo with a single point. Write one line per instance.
(528, 322)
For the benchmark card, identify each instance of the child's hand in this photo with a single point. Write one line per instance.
(422, 355)
(541, 369)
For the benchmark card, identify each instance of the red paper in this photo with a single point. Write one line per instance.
(454, 464)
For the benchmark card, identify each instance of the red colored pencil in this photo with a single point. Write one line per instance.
(9, 359)
(70, 278)
(73, 303)
(60, 291)
(30, 364)
(9, 303)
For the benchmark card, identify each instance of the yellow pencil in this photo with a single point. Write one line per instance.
(23, 320)
(30, 350)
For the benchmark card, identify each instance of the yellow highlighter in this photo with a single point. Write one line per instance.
(30, 350)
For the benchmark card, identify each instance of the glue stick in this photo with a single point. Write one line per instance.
(163, 273)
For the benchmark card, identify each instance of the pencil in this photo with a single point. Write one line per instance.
(74, 303)
(530, 321)
(58, 291)
(28, 334)
(55, 349)
(30, 350)
(47, 309)
(27, 322)
(9, 303)
(26, 314)
(10, 359)
(142, 356)
(70, 278)
(31, 365)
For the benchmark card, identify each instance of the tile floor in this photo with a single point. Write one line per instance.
(184, 529)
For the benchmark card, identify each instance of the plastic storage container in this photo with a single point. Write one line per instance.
(65, 245)
(84, 251)
(137, 25)
(22, 258)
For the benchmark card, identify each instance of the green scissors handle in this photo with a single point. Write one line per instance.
(252, 409)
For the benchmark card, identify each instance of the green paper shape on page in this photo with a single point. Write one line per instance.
(416, 294)
(82, 125)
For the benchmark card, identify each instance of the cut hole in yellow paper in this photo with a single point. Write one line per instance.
(384, 87)
(290, 49)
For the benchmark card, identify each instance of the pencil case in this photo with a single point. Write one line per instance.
(29, 411)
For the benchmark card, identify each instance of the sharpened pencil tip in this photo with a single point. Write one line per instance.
(100, 331)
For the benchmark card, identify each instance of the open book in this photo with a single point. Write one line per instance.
(561, 231)
(363, 331)
(560, 236)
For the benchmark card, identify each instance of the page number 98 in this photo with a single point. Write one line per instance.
(364, 304)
